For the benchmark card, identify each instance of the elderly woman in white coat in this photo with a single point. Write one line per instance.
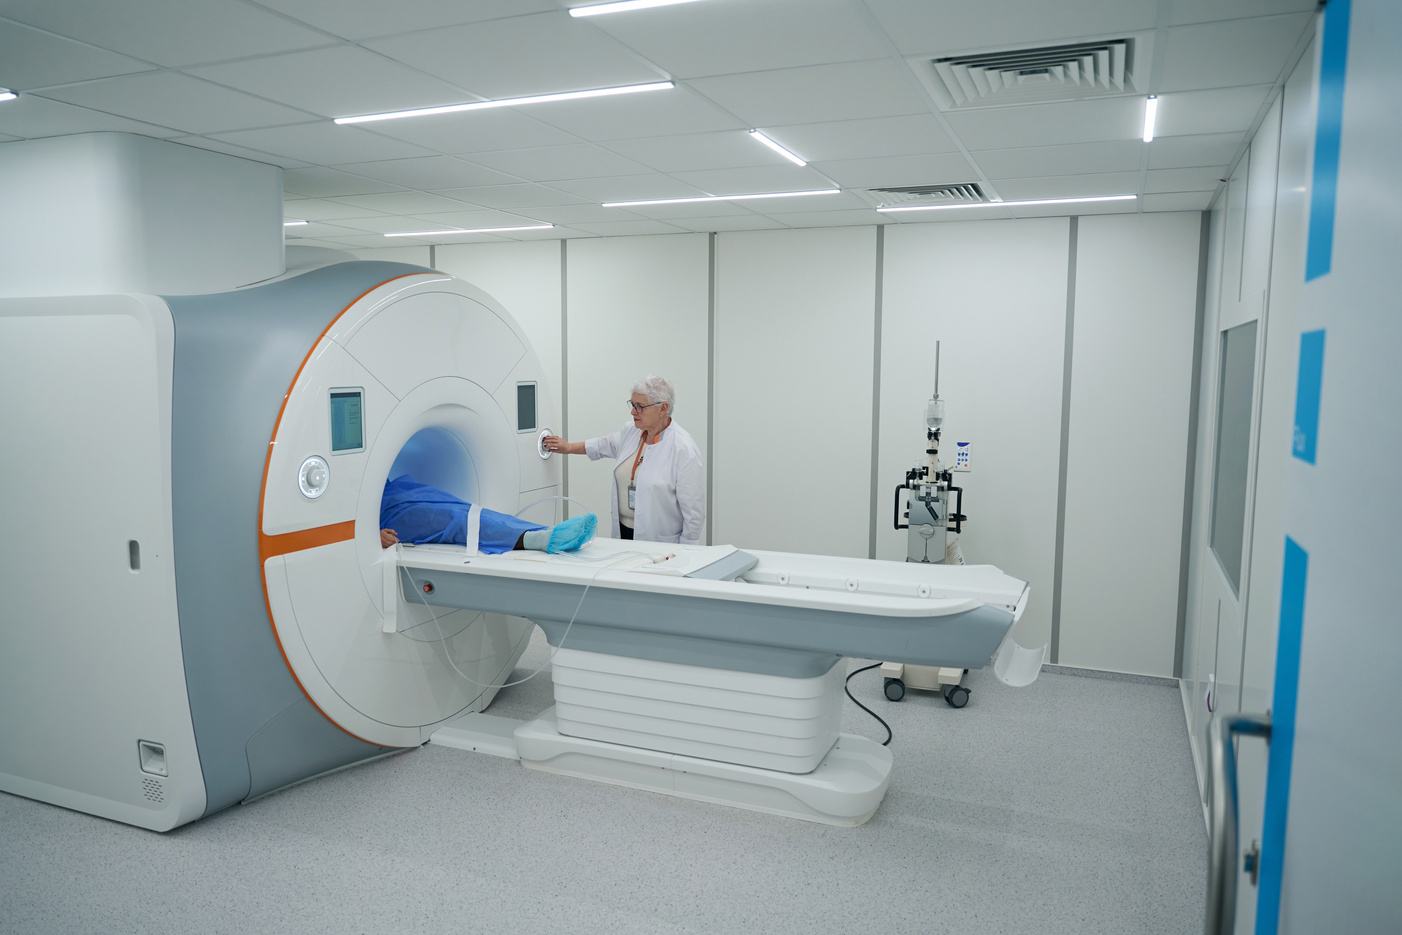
(659, 478)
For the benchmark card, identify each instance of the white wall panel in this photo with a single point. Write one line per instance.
(1136, 301)
(636, 305)
(525, 279)
(994, 294)
(415, 255)
(795, 317)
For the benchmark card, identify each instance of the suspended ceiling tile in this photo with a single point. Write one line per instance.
(341, 81)
(1203, 11)
(693, 40)
(473, 132)
(512, 197)
(695, 152)
(773, 178)
(1178, 201)
(1226, 54)
(937, 169)
(536, 54)
(172, 33)
(857, 217)
(365, 241)
(31, 59)
(319, 182)
(553, 163)
(428, 172)
(815, 94)
(629, 228)
(243, 152)
(319, 209)
(908, 135)
(180, 101)
(363, 20)
(1222, 110)
(472, 219)
(324, 143)
(1050, 124)
(629, 116)
(31, 116)
(401, 203)
(693, 210)
(1070, 186)
(1061, 211)
(630, 188)
(1068, 159)
(1178, 152)
(936, 27)
(733, 222)
(581, 213)
(1184, 180)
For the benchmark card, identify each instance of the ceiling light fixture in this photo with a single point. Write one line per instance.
(777, 148)
(1010, 204)
(682, 201)
(508, 102)
(6, 95)
(623, 6)
(1151, 113)
(294, 223)
(479, 230)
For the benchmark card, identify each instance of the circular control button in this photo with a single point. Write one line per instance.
(313, 477)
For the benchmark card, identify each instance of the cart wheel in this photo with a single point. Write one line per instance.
(957, 696)
(895, 689)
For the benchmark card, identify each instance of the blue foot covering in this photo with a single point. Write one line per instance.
(574, 533)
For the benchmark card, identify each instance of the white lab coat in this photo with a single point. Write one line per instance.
(671, 482)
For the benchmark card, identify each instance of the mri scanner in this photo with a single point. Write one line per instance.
(200, 605)
(197, 611)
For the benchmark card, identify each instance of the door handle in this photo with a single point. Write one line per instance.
(1222, 815)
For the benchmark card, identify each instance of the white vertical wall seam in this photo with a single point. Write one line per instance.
(1190, 469)
(1057, 563)
(710, 380)
(876, 390)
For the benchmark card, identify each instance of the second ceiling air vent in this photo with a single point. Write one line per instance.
(1045, 73)
(952, 194)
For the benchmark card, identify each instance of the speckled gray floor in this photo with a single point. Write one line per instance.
(1065, 807)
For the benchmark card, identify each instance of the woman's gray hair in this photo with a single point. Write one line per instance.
(657, 390)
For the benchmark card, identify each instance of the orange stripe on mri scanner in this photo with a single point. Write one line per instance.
(302, 539)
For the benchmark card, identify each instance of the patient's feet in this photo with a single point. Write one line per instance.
(574, 533)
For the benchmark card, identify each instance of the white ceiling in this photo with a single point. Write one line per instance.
(846, 84)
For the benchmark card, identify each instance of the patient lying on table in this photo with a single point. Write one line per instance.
(417, 513)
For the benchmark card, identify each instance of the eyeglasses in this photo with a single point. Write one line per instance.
(637, 408)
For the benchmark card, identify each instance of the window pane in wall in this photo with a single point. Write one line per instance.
(1238, 378)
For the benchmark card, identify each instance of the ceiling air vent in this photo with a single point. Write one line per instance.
(1027, 76)
(957, 193)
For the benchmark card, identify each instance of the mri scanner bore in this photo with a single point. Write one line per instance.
(266, 637)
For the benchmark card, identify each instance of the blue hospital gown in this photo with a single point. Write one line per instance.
(421, 514)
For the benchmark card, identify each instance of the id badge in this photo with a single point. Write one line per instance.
(632, 497)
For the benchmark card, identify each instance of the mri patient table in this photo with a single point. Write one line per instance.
(712, 673)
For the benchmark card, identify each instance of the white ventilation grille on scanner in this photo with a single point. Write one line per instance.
(1026, 76)
(152, 789)
(951, 194)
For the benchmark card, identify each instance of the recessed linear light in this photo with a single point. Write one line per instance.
(7, 95)
(294, 223)
(479, 230)
(1151, 113)
(508, 102)
(1011, 204)
(683, 201)
(777, 148)
(623, 6)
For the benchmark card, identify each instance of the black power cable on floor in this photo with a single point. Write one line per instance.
(864, 707)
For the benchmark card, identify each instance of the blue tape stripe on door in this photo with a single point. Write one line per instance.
(1287, 686)
(1328, 130)
(1307, 390)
